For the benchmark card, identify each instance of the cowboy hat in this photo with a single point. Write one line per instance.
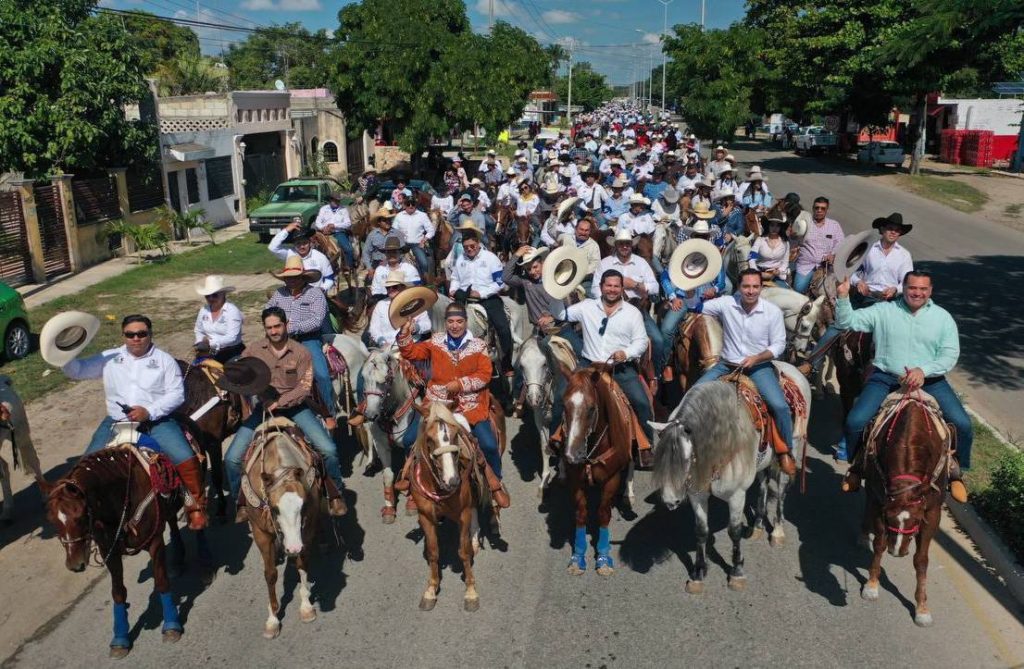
(300, 235)
(214, 284)
(564, 269)
(719, 148)
(851, 254)
(469, 226)
(533, 254)
(892, 219)
(799, 224)
(475, 182)
(727, 168)
(730, 158)
(708, 181)
(395, 277)
(620, 182)
(702, 211)
(65, 335)
(393, 243)
(622, 234)
(694, 263)
(554, 162)
(754, 174)
(637, 198)
(566, 208)
(511, 171)
(383, 212)
(724, 193)
(701, 227)
(409, 304)
(670, 195)
(293, 268)
(245, 376)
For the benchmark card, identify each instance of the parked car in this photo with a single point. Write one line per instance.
(881, 153)
(815, 139)
(384, 189)
(295, 197)
(14, 323)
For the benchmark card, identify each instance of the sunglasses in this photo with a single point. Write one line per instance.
(137, 334)
(604, 325)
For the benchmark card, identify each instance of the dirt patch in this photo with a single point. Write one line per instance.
(184, 289)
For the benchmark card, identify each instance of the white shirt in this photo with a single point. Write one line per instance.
(221, 333)
(526, 207)
(339, 218)
(661, 213)
(643, 171)
(763, 329)
(482, 200)
(152, 381)
(382, 333)
(507, 194)
(380, 275)
(623, 330)
(593, 197)
(776, 258)
(882, 270)
(635, 268)
(313, 260)
(685, 183)
(605, 167)
(642, 224)
(482, 274)
(716, 166)
(552, 230)
(416, 226)
(444, 204)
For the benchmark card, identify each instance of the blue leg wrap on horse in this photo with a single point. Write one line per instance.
(604, 541)
(171, 621)
(121, 628)
(579, 550)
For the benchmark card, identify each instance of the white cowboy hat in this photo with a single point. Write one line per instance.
(754, 174)
(409, 304)
(851, 253)
(566, 208)
(622, 234)
(564, 269)
(65, 335)
(637, 198)
(620, 182)
(470, 226)
(214, 284)
(533, 254)
(670, 195)
(800, 223)
(719, 148)
(396, 277)
(701, 227)
(511, 171)
(731, 158)
(708, 181)
(554, 162)
(724, 193)
(694, 263)
(476, 182)
(702, 211)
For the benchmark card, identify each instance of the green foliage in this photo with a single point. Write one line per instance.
(184, 223)
(1002, 503)
(190, 74)
(146, 237)
(254, 202)
(65, 78)
(289, 52)
(316, 166)
(589, 88)
(160, 41)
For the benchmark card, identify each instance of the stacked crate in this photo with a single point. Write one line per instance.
(967, 147)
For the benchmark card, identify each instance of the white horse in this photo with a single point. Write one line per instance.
(709, 446)
(539, 384)
(14, 430)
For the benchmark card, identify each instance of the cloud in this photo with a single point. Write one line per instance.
(560, 16)
(282, 5)
(652, 38)
(503, 9)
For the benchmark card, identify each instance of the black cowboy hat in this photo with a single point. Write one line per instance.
(246, 376)
(892, 219)
(300, 235)
(393, 243)
(792, 198)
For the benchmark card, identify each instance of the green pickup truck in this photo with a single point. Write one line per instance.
(295, 197)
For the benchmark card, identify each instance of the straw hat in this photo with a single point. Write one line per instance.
(566, 208)
(393, 243)
(702, 211)
(293, 268)
(564, 269)
(724, 193)
(533, 254)
(470, 226)
(214, 284)
(65, 335)
(754, 174)
(708, 181)
(396, 277)
(694, 263)
(622, 234)
(851, 253)
(620, 182)
(409, 304)
(637, 198)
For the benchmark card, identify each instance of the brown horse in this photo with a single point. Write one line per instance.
(442, 242)
(907, 464)
(603, 239)
(108, 500)
(643, 246)
(598, 444)
(448, 481)
(697, 347)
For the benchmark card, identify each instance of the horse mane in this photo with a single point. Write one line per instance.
(198, 389)
(377, 366)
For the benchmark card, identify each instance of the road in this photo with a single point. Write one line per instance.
(801, 607)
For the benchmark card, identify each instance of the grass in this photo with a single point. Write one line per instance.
(118, 296)
(945, 190)
(1013, 210)
(986, 452)
(995, 486)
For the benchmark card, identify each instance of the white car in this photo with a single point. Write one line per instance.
(881, 153)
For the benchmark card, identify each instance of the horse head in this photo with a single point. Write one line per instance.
(443, 442)
(809, 316)
(379, 372)
(286, 496)
(581, 411)
(536, 378)
(67, 510)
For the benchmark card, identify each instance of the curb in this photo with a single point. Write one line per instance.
(991, 547)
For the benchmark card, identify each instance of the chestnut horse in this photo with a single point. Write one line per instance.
(697, 347)
(442, 242)
(906, 460)
(598, 444)
(108, 500)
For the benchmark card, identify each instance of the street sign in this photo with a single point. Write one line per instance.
(832, 123)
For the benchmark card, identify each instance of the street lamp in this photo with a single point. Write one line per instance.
(664, 52)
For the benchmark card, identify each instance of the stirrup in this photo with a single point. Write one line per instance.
(958, 491)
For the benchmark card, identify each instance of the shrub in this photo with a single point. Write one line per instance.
(1002, 503)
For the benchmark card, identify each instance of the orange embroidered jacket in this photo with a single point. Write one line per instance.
(470, 365)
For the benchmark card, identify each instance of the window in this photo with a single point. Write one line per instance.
(219, 179)
(192, 185)
(313, 144)
(330, 152)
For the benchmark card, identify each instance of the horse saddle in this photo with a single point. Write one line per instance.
(762, 417)
(326, 245)
(890, 409)
(636, 433)
(213, 371)
(286, 429)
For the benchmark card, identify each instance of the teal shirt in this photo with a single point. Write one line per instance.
(928, 339)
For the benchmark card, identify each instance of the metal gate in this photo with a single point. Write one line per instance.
(262, 172)
(56, 256)
(354, 155)
(15, 259)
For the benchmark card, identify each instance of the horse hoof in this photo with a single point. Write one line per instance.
(574, 570)
(695, 587)
(776, 540)
(738, 583)
(119, 652)
(605, 571)
(923, 620)
(870, 594)
(388, 518)
(307, 615)
(427, 604)
(756, 534)
(172, 636)
(471, 605)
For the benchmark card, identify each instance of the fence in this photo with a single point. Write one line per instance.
(145, 189)
(95, 200)
(15, 259)
(56, 249)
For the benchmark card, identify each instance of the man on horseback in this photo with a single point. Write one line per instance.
(393, 250)
(302, 246)
(143, 384)
(333, 219)
(373, 247)
(819, 244)
(886, 263)
(417, 229)
(291, 378)
(754, 335)
(476, 276)
(916, 345)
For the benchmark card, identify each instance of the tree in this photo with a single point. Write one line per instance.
(190, 74)
(289, 52)
(557, 55)
(66, 77)
(590, 89)
(160, 40)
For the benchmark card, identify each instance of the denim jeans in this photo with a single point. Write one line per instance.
(166, 432)
(657, 343)
(629, 380)
(321, 372)
(880, 384)
(801, 282)
(483, 432)
(306, 421)
(422, 260)
(766, 379)
(831, 332)
(670, 328)
(345, 242)
(780, 283)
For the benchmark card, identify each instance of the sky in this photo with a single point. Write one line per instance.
(614, 35)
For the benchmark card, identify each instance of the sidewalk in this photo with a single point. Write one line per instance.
(36, 294)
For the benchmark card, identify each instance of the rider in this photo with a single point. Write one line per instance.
(638, 220)
(143, 384)
(886, 263)
(464, 211)
(916, 345)
(460, 372)
(770, 251)
(333, 219)
(753, 335)
(291, 377)
(302, 246)
(218, 328)
(373, 247)
(719, 164)
(819, 244)
(581, 239)
(381, 333)
(393, 250)
(755, 193)
(418, 230)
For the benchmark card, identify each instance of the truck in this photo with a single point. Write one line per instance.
(814, 139)
(295, 197)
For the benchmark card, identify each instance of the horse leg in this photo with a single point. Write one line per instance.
(699, 502)
(431, 552)
(547, 471)
(268, 549)
(172, 628)
(474, 530)
(471, 600)
(120, 644)
(215, 457)
(778, 521)
(761, 506)
(870, 589)
(176, 563)
(922, 616)
(208, 572)
(578, 562)
(306, 611)
(8, 496)
(737, 579)
(630, 492)
(387, 512)
(605, 564)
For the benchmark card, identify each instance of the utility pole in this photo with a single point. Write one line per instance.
(568, 106)
(703, 13)
(664, 52)
(490, 14)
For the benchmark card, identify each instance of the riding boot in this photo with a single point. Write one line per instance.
(191, 474)
(557, 439)
(852, 479)
(957, 489)
(787, 464)
(498, 493)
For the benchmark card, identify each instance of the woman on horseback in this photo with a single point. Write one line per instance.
(218, 329)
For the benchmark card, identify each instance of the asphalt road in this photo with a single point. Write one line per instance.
(801, 607)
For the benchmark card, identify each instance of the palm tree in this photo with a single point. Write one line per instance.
(188, 75)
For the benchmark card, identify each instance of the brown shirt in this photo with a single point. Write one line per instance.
(291, 373)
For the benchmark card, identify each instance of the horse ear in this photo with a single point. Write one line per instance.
(657, 427)
(422, 410)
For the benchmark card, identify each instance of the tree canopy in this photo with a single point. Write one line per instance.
(160, 41)
(589, 88)
(288, 52)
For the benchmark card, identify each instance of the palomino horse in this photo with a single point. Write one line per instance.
(109, 499)
(709, 446)
(906, 461)
(389, 403)
(281, 487)
(598, 447)
(14, 430)
(448, 481)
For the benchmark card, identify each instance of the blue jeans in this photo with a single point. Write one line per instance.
(780, 283)
(166, 432)
(483, 432)
(629, 380)
(831, 332)
(345, 242)
(422, 260)
(801, 282)
(321, 372)
(306, 421)
(657, 343)
(766, 379)
(880, 384)
(670, 326)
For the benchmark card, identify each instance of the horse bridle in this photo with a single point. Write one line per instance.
(84, 538)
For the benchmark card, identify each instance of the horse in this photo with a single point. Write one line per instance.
(710, 446)
(602, 237)
(447, 481)
(442, 243)
(388, 411)
(907, 468)
(359, 213)
(14, 430)
(538, 389)
(281, 486)
(109, 500)
(643, 246)
(697, 347)
(597, 450)
(348, 309)
(521, 235)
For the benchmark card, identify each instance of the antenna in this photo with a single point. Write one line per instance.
(279, 85)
